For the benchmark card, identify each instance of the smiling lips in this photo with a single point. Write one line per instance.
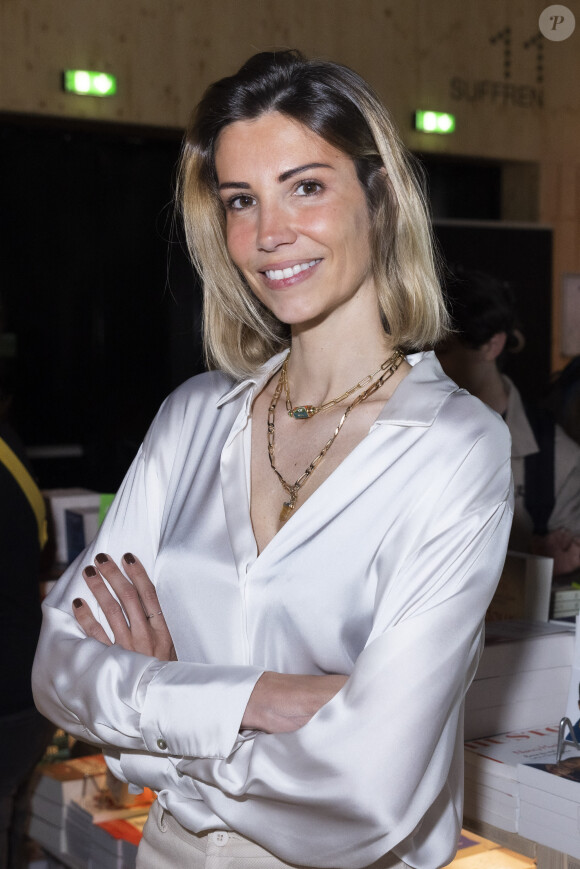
(281, 274)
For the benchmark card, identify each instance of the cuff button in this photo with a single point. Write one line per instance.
(161, 745)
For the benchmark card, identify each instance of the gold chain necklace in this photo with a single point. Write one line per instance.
(306, 411)
(388, 368)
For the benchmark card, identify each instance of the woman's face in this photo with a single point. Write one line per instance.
(297, 219)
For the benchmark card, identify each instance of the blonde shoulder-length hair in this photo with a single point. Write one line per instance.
(240, 334)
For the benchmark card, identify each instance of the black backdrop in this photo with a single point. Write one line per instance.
(97, 289)
(522, 256)
(105, 307)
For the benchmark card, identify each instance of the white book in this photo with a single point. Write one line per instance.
(82, 525)
(71, 779)
(566, 592)
(513, 716)
(561, 780)
(491, 772)
(50, 836)
(504, 802)
(532, 827)
(518, 686)
(529, 745)
(483, 809)
(573, 698)
(488, 816)
(523, 591)
(500, 781)
(48, 810)
(521, 646)
(550, 798)
(61, 500)
(118, 837)
(544, 800)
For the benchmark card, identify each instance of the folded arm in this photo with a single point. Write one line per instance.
(279, 702)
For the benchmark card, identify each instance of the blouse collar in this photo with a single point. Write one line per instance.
(415, 402)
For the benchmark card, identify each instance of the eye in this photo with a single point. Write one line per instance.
(309, 188)
(239, 202)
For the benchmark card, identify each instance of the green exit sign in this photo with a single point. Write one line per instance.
(89, 83)
(434, 122)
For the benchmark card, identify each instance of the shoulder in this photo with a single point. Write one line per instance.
(436, 402)
(470, 418)
(466, 446)
(567, 450)
(192, 404)
(204, 389)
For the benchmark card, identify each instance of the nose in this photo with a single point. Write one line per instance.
(274, 227)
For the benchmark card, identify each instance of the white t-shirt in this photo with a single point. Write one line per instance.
(566, 510)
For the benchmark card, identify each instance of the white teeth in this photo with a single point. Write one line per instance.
(280, 274)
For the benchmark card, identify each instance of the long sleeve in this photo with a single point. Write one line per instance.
(384, 574)
(118, 698)
(371, 772)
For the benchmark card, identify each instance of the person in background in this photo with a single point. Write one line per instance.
(304, 549)
(545, 461)
(24, 732)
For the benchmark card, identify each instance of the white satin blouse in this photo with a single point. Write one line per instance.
(384, 574)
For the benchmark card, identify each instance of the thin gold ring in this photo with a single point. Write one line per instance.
(150, 616)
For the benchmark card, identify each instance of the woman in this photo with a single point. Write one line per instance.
(545, 461)
(320, 571)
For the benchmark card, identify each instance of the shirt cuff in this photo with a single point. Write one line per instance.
(196, 710)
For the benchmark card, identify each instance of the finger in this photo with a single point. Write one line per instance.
(87, 621)
(126, 591)
(163, 642)
(146, 590)
(111, 608)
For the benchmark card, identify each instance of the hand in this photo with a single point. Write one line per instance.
(137, 622)
(562, 546)
(284, 702)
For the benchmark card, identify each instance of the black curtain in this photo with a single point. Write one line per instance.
(97, 289)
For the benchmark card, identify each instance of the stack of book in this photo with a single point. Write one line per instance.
(114, 843)
(523, 591)
(104, 838)
(565, 603)
(550, 803)
(491, 773)
(522, 678)
(75, 815)
(57, 785)
(513, 781)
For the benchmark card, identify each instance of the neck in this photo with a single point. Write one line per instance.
(326, 362)
(490, 389)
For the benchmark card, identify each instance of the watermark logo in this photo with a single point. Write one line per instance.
(557, 23)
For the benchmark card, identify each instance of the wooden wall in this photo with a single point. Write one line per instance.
(515, 96)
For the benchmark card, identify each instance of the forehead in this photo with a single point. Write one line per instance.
(272, 143)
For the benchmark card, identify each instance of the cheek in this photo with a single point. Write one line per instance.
(238, 243)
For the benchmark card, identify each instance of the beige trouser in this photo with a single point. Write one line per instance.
(168, 845)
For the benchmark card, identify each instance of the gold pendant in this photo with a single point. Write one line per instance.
(286, 511)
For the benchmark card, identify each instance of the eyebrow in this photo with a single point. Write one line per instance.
(286, 175)
(242, 185)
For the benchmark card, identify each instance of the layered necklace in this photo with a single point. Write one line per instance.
(387, 369)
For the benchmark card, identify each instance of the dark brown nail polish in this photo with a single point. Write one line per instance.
(101, 558)
(130, 559)
(90, 571)
(77, 602)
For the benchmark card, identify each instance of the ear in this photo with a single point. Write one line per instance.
(493, 348)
